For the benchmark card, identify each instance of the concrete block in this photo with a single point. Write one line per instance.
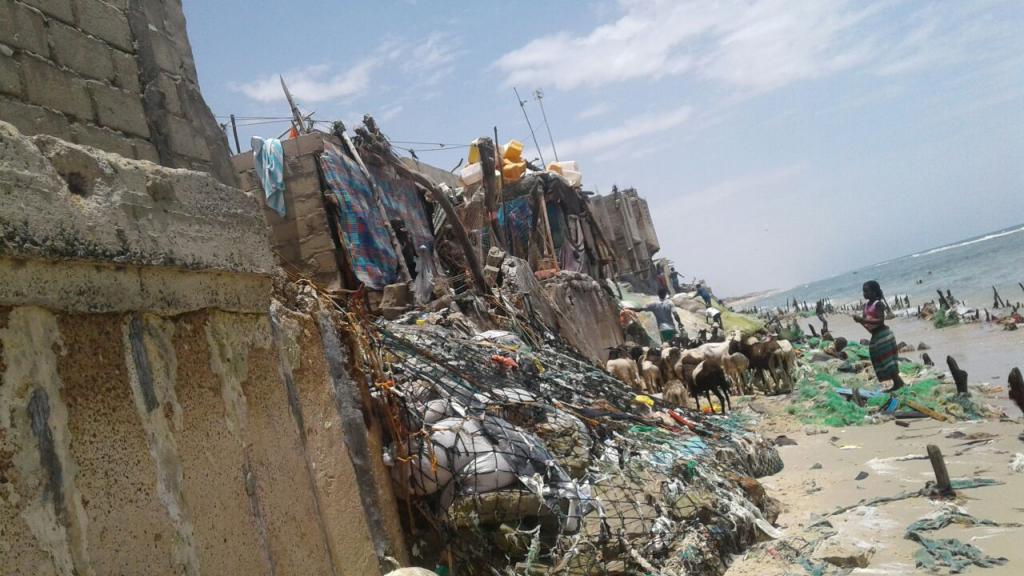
(22, 27)
(310, 144)
(102, 138)
(126, 71)
(10, 76)
(184, 140)
(316, 243)
(106, 22)
(146, 151)
(118, 109)
(169, 90)
(83, 54)
(49, 86)
(165, 53)
(31, 120)
(396, 296)
(242, 162)
(59, 9)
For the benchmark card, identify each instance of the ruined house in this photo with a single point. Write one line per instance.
(625, 219)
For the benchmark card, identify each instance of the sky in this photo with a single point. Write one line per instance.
(777, 141)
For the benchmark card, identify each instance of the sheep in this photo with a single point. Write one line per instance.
(624, 369)
(709, 377)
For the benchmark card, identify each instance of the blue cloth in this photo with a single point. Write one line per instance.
(268, 157)
(364, 229)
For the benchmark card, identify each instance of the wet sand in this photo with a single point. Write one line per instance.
(804, 489)
(845, 452)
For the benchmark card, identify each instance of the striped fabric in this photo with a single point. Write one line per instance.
(362, 226)
(884, 355)
(402, 202)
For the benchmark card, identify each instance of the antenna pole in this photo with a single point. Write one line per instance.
(540, 100)
(522, 105)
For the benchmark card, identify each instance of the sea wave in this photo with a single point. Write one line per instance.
(969, 242)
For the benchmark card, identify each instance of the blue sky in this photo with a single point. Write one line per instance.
(777, 141)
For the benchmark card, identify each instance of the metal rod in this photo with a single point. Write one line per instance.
(540, 100)
(522, 105)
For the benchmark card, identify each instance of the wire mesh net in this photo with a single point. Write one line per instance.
(519, 460)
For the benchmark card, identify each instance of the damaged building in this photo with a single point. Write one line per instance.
(315, 357)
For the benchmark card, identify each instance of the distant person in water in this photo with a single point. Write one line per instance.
(884, 354)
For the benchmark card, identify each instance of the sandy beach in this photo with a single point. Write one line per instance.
(823, 466)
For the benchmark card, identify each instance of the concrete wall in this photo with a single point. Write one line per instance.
(114, 74)
(302, 238)
(159, 412)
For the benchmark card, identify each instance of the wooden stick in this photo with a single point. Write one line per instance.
(939, 466)
(924, 410)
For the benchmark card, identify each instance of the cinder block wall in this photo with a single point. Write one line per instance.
(301, 239)
(116, 74)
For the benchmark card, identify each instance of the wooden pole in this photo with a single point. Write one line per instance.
(942, 484)
(234, 130)
(488, 153)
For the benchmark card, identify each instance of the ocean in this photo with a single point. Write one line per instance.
(969, 269)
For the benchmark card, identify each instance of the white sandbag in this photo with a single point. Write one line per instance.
(486, 473)
(463, 438)
(429, 469)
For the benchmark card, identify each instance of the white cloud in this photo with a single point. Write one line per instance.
(599, 109)
(630, 130)
(748, 45)
(434, 58)
(317, 83)
(389, 113)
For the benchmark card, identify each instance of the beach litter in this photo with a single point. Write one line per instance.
(1017, 464)
(950, 553)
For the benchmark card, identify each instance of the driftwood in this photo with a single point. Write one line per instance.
(959, 376)
(942, 483)
(1016, 382)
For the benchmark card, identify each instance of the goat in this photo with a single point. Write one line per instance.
(735, 366)
(709, 377)
(676, 394)
(769, 357)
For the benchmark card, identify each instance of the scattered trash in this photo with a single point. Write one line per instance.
(950, 553)
(861, 476)
(1017, 464)
(816, 466)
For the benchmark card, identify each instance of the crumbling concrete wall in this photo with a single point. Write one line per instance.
(114, 74)
(159, 413)
(590, 315)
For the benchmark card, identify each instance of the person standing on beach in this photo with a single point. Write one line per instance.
(819, 309)
(884, 354)
(665, 314)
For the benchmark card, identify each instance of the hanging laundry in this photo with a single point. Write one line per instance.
(363, 227)
(268, 156)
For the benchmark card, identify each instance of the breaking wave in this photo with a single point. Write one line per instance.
(985, 238)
